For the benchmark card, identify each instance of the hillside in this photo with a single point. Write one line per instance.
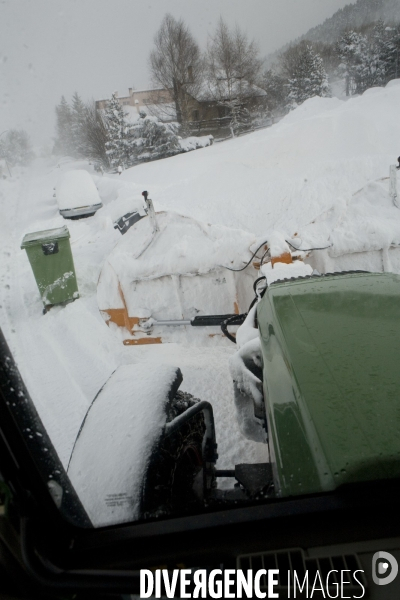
(360, 14)
(352, 16)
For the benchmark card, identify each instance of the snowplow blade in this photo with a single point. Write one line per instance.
(177, 273)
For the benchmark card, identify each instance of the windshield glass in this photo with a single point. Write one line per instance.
(176, 182)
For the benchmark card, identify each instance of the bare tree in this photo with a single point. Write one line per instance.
(176, 61)
(233, 67)
(95, 134)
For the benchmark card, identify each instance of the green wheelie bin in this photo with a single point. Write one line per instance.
(50, 255)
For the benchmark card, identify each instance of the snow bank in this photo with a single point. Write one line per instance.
(283, 177)
(119, 197)
(67, 356)
(182, 246)
(194, 143)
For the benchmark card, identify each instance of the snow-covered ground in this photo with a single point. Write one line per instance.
(320, 175)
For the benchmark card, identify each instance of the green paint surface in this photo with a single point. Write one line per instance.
(54, 273)
(331, 351)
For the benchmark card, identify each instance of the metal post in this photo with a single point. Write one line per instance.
(151, 212)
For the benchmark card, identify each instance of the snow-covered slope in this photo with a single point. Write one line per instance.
(283, 177)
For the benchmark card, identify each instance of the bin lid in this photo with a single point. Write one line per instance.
(38, 237)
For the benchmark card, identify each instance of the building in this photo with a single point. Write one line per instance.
(141, 100)
(202, 106)
(209, 102)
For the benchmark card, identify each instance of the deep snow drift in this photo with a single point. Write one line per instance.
(320, 176)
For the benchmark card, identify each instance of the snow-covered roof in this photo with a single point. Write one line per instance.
(165, 111)
(219, 90)
(123, 95)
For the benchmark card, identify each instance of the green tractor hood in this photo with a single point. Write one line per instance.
(331, 355)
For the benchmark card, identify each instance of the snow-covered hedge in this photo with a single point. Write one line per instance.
(194, 143)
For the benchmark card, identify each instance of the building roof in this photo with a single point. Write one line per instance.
(220, 90)
(123, 96)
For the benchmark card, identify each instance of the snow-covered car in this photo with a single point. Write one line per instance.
(77, 195)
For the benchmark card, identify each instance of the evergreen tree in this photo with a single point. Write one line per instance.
(78, 130)
(117, 146)
(308, 78)
(390, 53)
(355, 61)
(152, 139)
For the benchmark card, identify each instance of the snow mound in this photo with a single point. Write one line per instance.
(182, 246)
(370, 222)
(76, 189)
(113, 447)
(393, 83)
(194, 143)
(284, 176)
(312, 108)
(282, 271)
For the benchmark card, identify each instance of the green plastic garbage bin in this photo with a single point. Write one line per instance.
(50, 255)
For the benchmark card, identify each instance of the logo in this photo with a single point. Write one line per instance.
(384, 568)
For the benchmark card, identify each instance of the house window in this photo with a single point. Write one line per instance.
(196, 115)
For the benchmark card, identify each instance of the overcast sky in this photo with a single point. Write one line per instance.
(50, 48)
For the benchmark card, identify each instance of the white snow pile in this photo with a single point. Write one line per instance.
(182, 246)
(369, 221)
(119, 197)
(113, 448)
(248, 390)
(285, 271)
(284, 177)
(76, 189)
(194, 143)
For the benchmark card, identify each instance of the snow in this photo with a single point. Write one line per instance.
(75, 189)
(248, 394)
(194, 143)
(277, 244)
(319, 177)
(57, 233)
(182, 246)
(114, 446)
(283, 271)
(247, 331)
